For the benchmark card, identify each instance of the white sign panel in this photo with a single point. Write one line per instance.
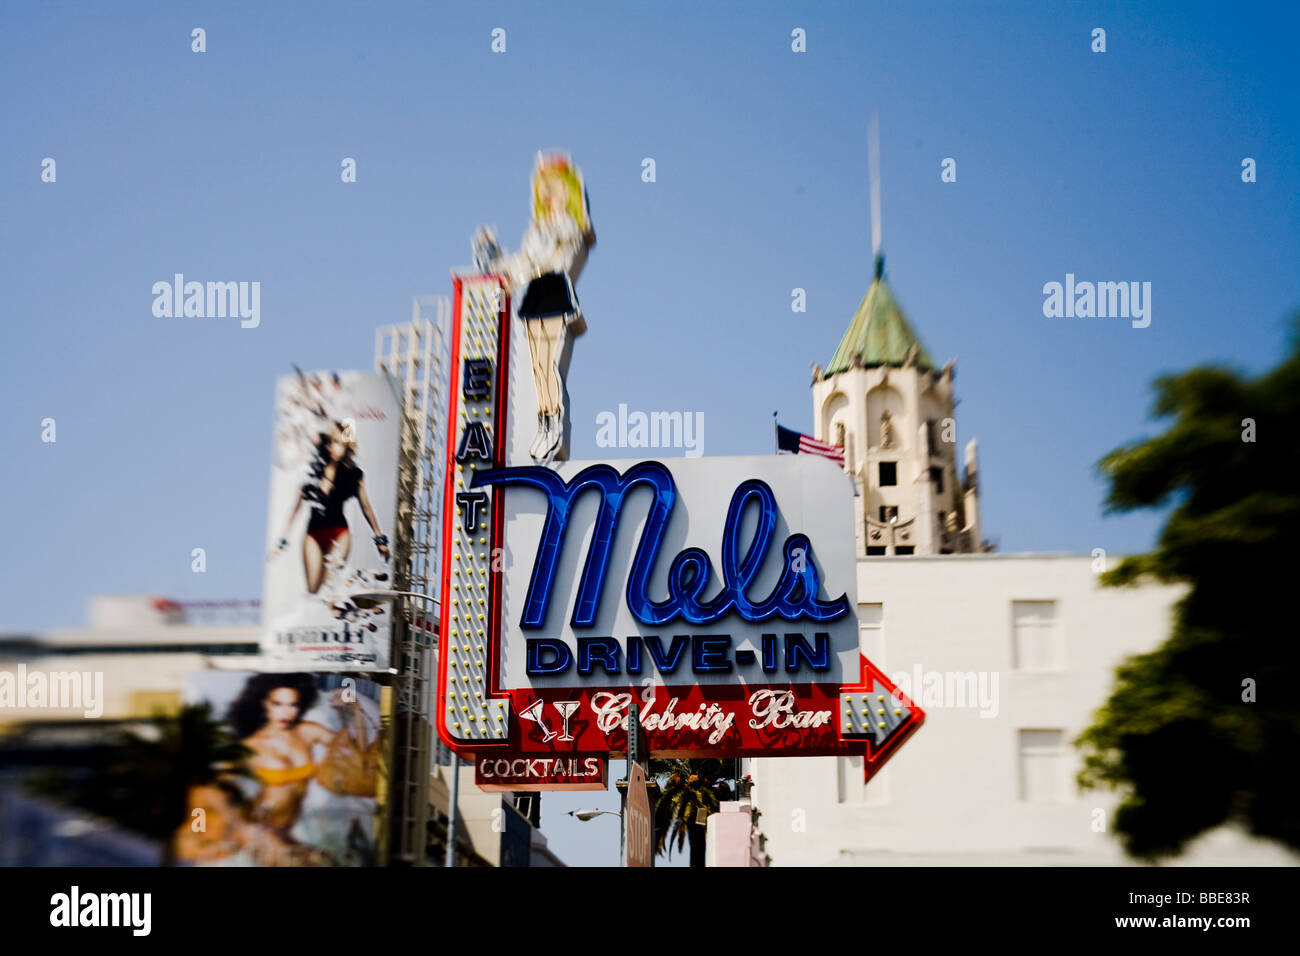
(781, 517)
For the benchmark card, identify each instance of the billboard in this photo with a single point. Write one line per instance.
(333, 504)
(305, 793)
(719, 594)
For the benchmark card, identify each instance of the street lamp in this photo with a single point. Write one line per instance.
(369, 599)
(585, 815)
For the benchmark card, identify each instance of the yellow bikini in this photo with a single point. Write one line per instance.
(275, 776)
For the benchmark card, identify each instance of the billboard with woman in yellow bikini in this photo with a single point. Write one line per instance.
(305, 792)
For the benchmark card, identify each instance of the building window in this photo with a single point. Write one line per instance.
(1037, 641)
(529, 806)
(936, 475)
(1044, 766)
(888, 514)
(888, 473)
(874, 551)
(904, 549)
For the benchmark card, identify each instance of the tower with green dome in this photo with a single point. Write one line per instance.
(886, 401)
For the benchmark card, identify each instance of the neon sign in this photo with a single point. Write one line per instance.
(794, 597)
(716, 592)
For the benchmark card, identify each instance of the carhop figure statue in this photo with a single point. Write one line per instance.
(550, 258)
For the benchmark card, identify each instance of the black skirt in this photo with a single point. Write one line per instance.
(549, 296)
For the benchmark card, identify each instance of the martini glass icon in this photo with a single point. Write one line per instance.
(566, 709)
(533, 712)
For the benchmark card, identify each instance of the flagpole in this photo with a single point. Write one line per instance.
(776, 436)
(873, 172)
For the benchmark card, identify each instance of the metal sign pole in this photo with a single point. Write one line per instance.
(633, 756)
(637, 831)
(451, 809)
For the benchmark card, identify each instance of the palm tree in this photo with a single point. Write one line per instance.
(687, 798)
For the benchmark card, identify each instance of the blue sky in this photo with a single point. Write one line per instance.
(225, 166)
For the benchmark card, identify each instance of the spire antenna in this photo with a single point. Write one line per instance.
(873, 165)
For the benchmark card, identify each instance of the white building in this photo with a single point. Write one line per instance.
(1008, 655)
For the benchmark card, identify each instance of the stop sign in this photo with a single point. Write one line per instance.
(636, 819)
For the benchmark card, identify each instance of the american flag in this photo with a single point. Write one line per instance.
(791, 442)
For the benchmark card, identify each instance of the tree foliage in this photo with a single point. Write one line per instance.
(1202, 730)
(143, 779)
